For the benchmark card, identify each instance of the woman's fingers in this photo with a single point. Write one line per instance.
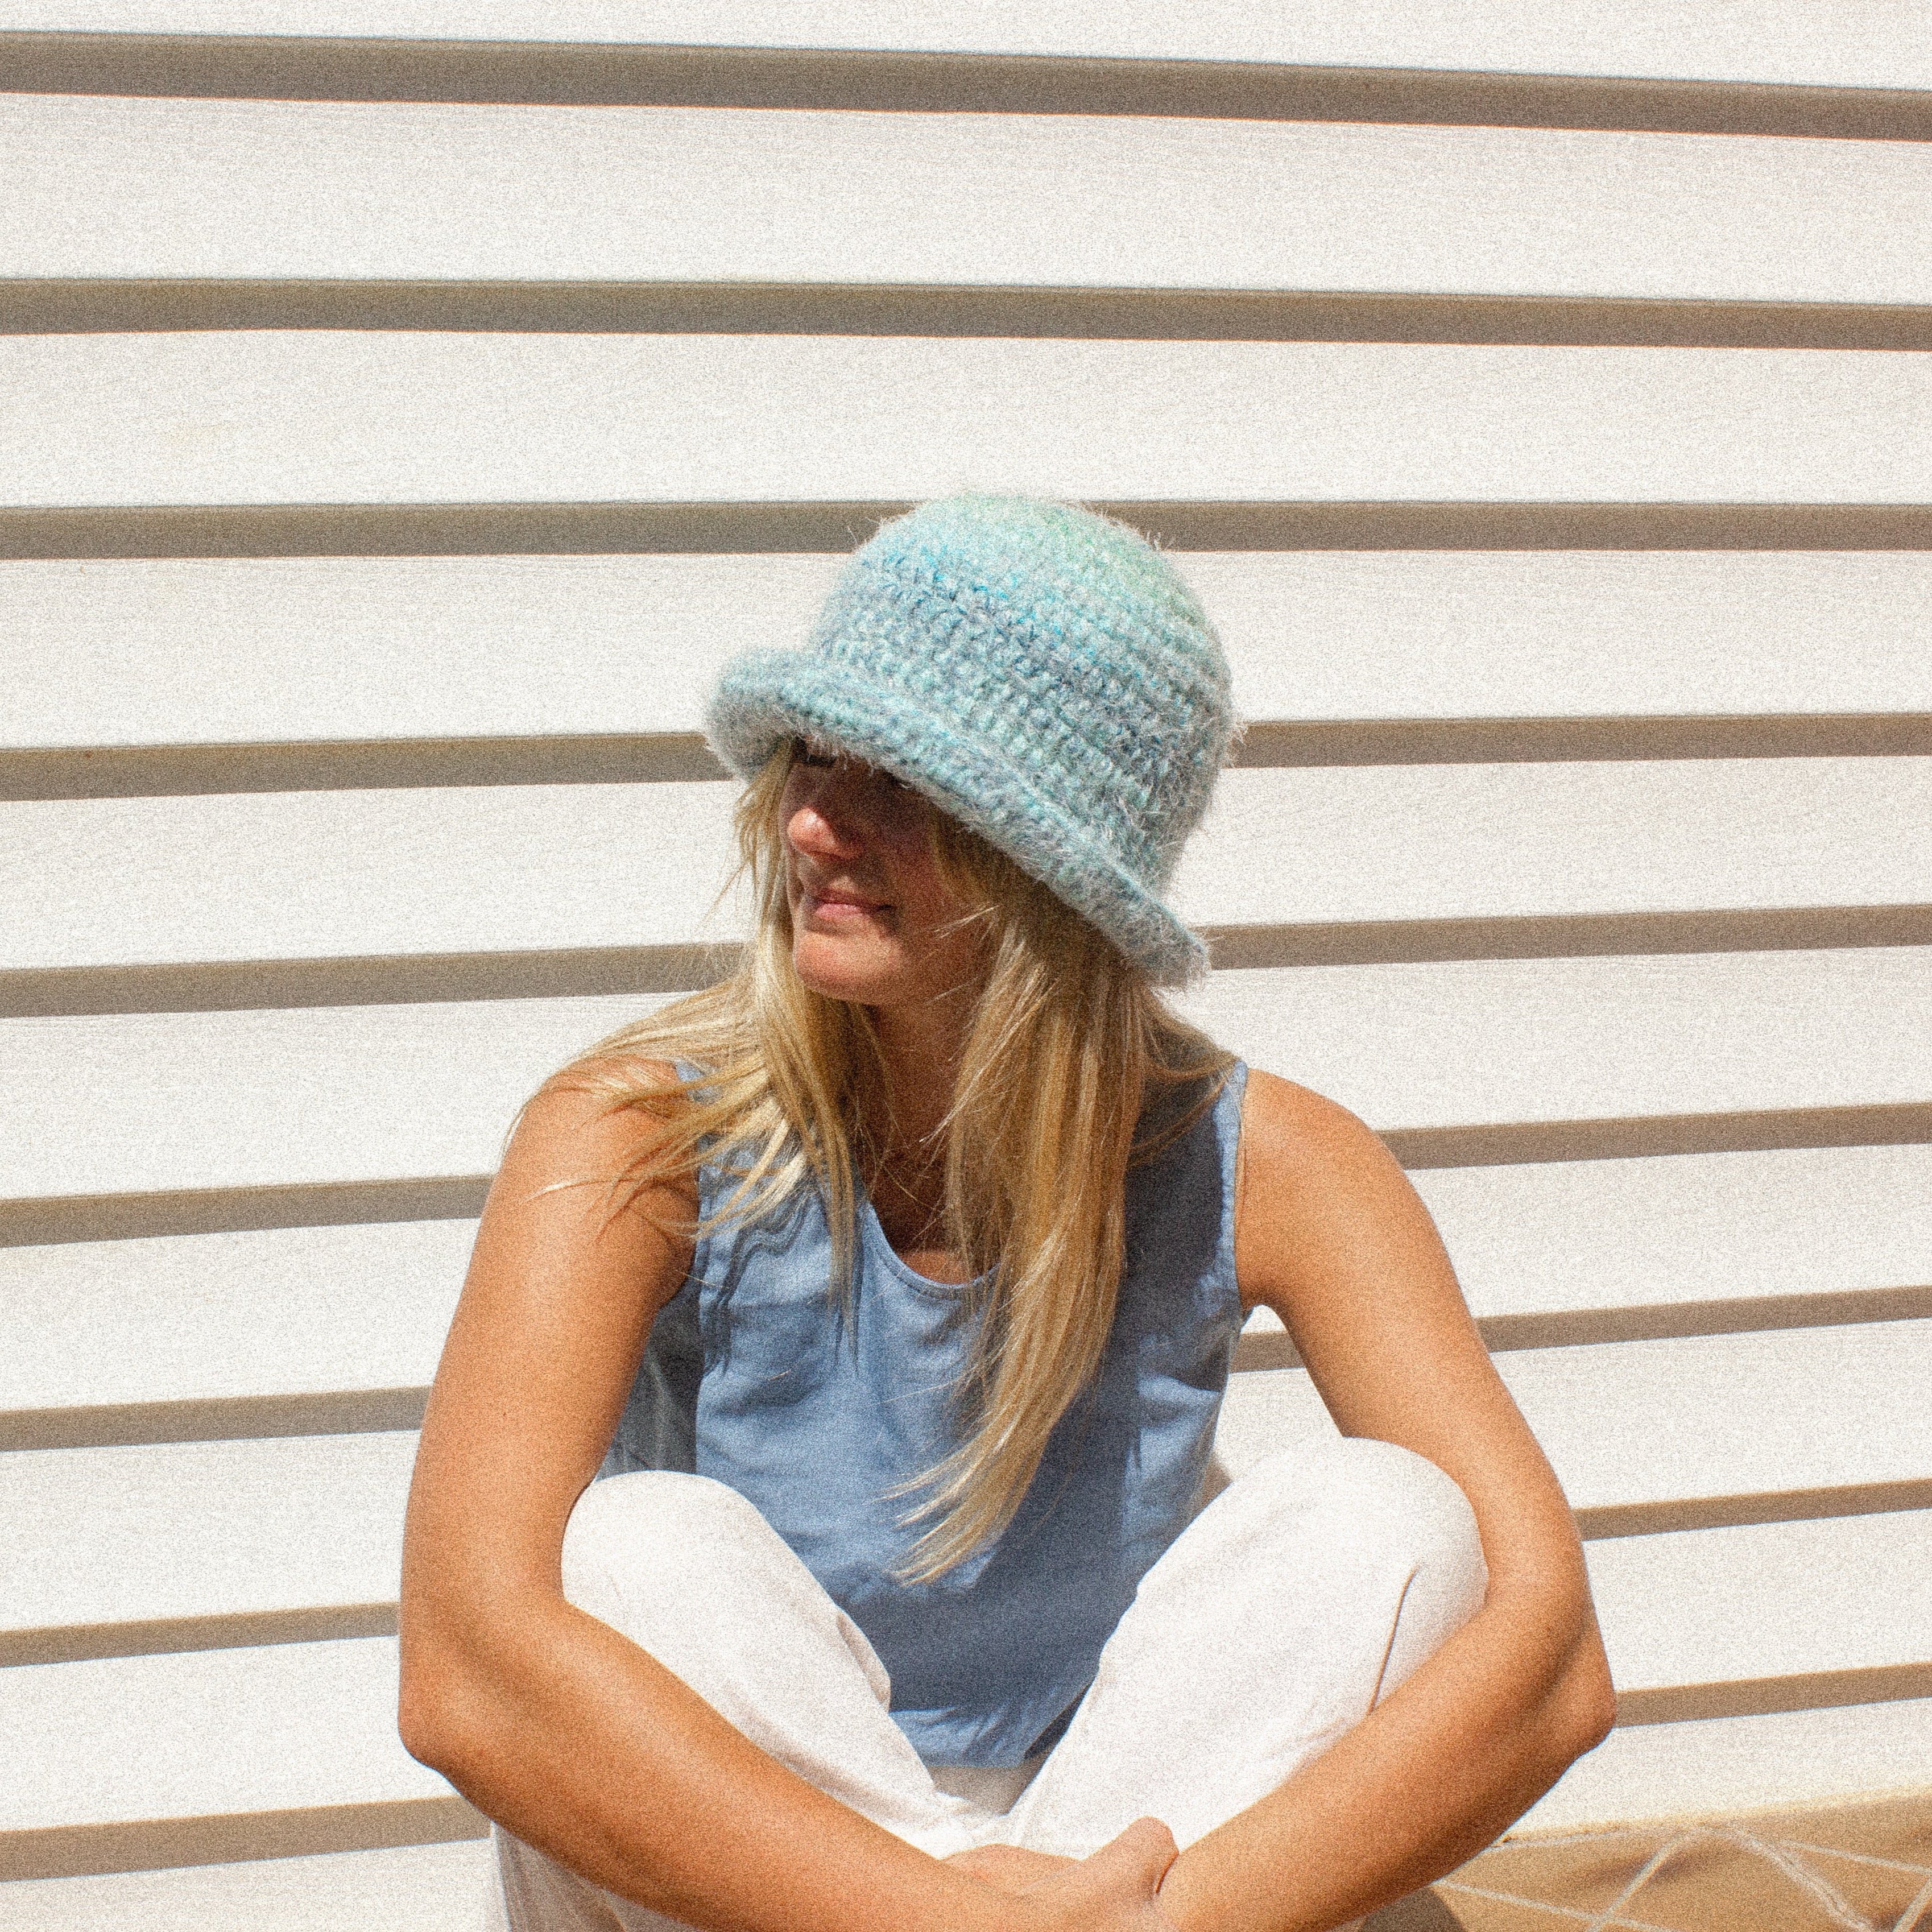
(1009, 1868)
(1114, 1890)
(1143, 1851)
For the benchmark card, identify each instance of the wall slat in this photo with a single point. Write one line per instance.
(1718, 1766)
(182, 1329)
(350, 417)
(464, 869)
(424, 1888)
(163, 1532)
(1687, 1420)
(203, 1100)
(444, 192)
(174, 1531)
(198, 1734)
(295, 1311)
(184, 651)
(1826, 1596)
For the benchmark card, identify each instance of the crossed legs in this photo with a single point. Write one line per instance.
(1308, 1590)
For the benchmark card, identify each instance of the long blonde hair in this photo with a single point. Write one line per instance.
(1073, 1069)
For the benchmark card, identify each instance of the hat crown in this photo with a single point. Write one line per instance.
(1065, 638)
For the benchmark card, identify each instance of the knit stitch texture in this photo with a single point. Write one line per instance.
(1040, 673)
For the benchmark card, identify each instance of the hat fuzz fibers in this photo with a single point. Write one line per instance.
(1041, 674)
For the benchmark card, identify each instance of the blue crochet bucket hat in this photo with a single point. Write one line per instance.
(1041, 674)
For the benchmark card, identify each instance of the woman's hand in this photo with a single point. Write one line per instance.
(1114, 1890)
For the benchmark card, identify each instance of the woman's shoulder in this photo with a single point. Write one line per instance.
(1309, 1172)
(609, 1116)
(1283, 1120)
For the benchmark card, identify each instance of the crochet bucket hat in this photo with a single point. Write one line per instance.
(1041, 674)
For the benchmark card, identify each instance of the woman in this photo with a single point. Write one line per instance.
(894, 1610)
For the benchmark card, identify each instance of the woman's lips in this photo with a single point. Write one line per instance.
(838, 906)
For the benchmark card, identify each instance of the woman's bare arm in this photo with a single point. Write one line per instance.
(550, 1720)
(1331, 1236)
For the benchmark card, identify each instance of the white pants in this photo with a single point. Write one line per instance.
(1309, 1589)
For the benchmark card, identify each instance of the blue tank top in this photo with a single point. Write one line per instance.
(754, 1377)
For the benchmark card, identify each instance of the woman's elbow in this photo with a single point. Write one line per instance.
(437, 1708)
(1585, 1708)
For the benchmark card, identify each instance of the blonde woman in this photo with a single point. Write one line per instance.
(891, 1287)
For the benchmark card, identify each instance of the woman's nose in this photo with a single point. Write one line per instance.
(834, 819)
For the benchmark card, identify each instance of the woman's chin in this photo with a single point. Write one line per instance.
(837, 969)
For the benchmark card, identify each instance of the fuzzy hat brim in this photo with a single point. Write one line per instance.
(766, 697)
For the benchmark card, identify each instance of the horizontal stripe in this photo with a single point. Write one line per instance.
(99, 304)
(297, 670)
(941, 80)
(71, 1643)
(171, 771)
(1831, 844)
(61, 1851)
(1755, 1697)
(603, 530)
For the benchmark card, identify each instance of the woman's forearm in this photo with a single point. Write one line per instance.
(584, 1745)
(1431, 1775)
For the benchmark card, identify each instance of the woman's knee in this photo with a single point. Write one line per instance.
(1384, 1505)
(652, 1540)
(1430, 1531)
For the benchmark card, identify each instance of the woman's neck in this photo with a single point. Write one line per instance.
(919, 1050)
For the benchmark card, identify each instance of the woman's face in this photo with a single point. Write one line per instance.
(872, 922)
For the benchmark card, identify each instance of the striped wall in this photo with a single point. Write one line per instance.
(407, 406)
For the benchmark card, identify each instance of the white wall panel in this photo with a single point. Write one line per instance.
(304, 1311)
(283, 1311)
(274, 875)
(1859, 43)
(203, 1100)
(260, 1098)
(436, 191)
(198, 1529)
(1584, 1039)
(189, 1734)
(298, 416)
(1692, 1417)
(1766, 1600)
(504, 868)
(255, 649)
(123, 1535)
(1482, 841)
(1718, 1765)
(1683, 1227)
(402, 1888)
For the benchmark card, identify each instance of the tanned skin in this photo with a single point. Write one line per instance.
(584, 1745)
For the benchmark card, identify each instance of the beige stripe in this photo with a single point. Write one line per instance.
(1758, 1696)
(586, 530)
(572, 972)
(72, 1643)
(67, 1851)
(1612, 1519)
(214, 1210)
(347, 69)
(1567, 1328)
(1902, 1123)
(1168, 315)
(563, 973)
(218, 1419)
(176, 771)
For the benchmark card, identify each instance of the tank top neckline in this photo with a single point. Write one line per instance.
(872, 1239)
